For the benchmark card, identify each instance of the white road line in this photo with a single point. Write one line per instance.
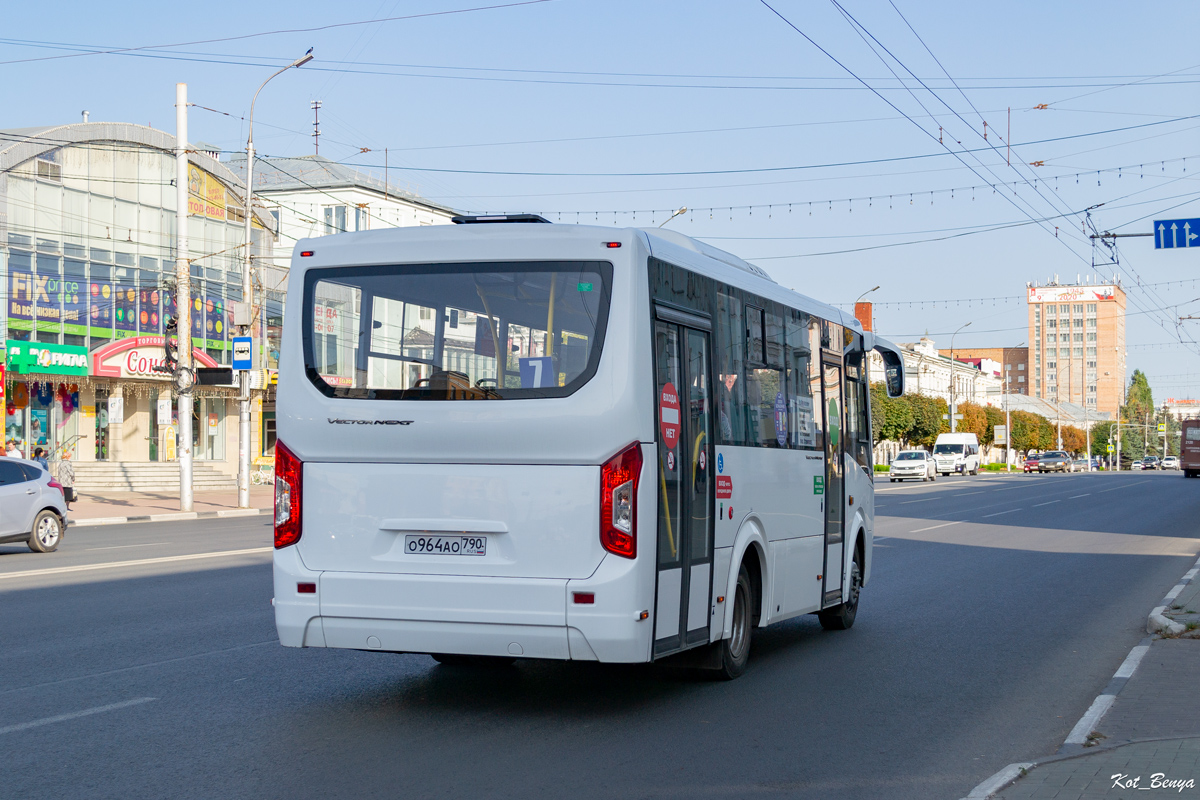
(1077, 496)
(943, 525)
(123, 546)
(139, 563)
(1130, 664)
(1048, 502)
(1091, 719)
(998, 513)
(37, 723)
(1113, 489)
(926, 500)
(878, 538)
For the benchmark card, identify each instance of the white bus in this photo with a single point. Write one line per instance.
(511, 439)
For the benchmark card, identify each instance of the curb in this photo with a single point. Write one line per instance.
(1010, 774)
(180, 515)
(1073, 746)
(1158, 622)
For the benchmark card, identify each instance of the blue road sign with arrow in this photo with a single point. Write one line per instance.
(1172, 233)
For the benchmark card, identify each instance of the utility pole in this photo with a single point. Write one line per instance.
(1007, 424)
(183, 301)
(316, 107)
(953, 404)
(243, 480)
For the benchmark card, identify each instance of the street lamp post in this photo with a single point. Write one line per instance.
(674, 214)
(247, 296)
(953, 404)
(864, 294)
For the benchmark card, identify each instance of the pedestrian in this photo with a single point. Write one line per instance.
(12, 451)
(66, 477)
(39, 455)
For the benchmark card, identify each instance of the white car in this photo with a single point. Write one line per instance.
(915, 464)
(32, 508)
(1170, 462)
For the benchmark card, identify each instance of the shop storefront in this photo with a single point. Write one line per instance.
(136, 417)
(41, 396)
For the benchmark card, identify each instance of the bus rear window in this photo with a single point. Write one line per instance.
(485, 331)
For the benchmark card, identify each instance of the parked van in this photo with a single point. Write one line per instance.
(956, 452)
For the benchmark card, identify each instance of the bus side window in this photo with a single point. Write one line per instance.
(728, 351)
(801, 429)
(765, 388)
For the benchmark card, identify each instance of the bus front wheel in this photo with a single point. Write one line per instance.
(841, 617)
(735, 651)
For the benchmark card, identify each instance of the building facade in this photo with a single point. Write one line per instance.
(313, 196)
(87, 261)
(928, 372)
(1077, 344)
(1013, 361)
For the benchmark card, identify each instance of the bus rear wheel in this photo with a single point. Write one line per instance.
(841, 617)
(735, 651)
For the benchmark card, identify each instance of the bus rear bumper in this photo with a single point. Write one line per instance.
(529, 618)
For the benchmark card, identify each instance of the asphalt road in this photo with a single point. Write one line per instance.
(999, 607)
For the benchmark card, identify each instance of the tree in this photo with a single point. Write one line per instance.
(891, 417)
(928, 422)
(1074, 439)
(1100, 437)
(974, 420)
(1026, 431)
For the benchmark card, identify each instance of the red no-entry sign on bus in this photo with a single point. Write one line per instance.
(668, 415)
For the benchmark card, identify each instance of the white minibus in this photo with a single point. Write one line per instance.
(505, 438)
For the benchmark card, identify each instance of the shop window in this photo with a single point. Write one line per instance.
(268, 433)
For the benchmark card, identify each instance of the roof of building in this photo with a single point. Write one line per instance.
(18, 145)
(317, 172)
(1070, 413)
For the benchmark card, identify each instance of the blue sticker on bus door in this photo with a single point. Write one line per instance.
(537, 373)
(781, 419)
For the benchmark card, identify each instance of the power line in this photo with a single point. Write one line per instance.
(122, 50)
(774, 169)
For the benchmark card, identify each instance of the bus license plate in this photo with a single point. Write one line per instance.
(445, 545)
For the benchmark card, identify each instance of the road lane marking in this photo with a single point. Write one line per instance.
(998, 513)
(943, 525)
(1048, 502)
(120, 670)
(925, 500)
(139, 563)
(1077, 496)
(123, 546)
(1113, 489)
(87, 712)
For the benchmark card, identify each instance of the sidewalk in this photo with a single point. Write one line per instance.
(1148, 739)
(110, 508)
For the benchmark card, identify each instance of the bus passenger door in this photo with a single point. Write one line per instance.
(831, 383)
(685, 549)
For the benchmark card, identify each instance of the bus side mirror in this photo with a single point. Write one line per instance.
(893, 372)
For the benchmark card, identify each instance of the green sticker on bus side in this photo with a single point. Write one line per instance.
(818, 484)
(585, 287)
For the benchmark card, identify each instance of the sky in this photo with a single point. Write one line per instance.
(801, 136)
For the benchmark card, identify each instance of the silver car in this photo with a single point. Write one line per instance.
(32, 508)
(915, 464)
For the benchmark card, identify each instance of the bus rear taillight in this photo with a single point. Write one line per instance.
(288, 472)
(618, 501)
